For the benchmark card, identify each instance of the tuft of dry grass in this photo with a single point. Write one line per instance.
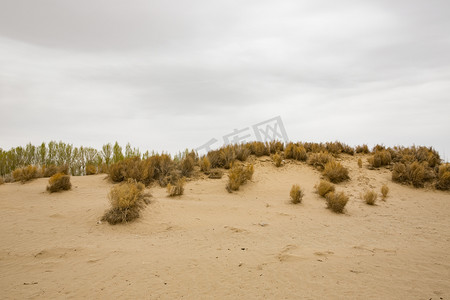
(324, 187)
(2, 181)
(336, 201)
(384, 191)
(215, 174)
(177, 189)
(335, 172)
(277, 160)
(362, 149)
(360, 163)
(296, 194)
(319, 160)
(187, 166)
(216, 159)
(126, 199)
(25, 174)
(443, 178)
(258, 149)
(380, 158)
(242, 152)
(370, 197)
(293, 151)
(59, 182)
(239, 175)
(205, 165)
(91, 170)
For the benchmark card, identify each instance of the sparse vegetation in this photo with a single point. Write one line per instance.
(335, 172)
(2, 181)
(127, 199)
(362, 149)
(205, 165)
(26, 174)
(443, 178)
(324, 187)
(187, 166)
(414, 173)
(296, 194)
(176, 189)
(370, 197)
(384, 191)
(319, 160)
(59, 182)
(336, 201)
(277, 160)
(215, 174)
(293, 151)
(238, 176)
(360, 163)
(91, 170)
(380, 158)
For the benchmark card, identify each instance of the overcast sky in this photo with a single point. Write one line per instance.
(169, 75)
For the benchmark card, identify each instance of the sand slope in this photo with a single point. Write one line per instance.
(211, 244)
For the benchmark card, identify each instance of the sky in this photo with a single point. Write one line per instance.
(170, 75)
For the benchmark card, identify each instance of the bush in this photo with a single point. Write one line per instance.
(362, 149)
(335, 172)
(380, 158)
(336, 201)
(216, 159)
(384, 191)
(59, 182)
(275, 146)
(258, 149)
(205, 165)
(187, 166)
(177, 188)
(443, 179)
(296, 194)
(49, 171)
(370, 197)
(127, 199)
(238, 175)
(324, 187)
(360, 164)
(91, 170)
(293, 151)
(399, 173)
(242, 152)
(215, 174)
(416, 174)
(277, 160)
(319, 160)
(25, 174)
(2, 181)
(228, 156)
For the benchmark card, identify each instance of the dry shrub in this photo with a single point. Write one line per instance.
(242, 152)
(296, 194)
(378, 147)
(360, 163)
(215, 174)
(399, 173)
(171, 178)
(228, 156)
(380, 158)
(187, 166)
(443, 178)
(177, 188)
(239, 175)
(258, 149)
(370, 197)
(275, 146)
(416, 174)
(2, 181)
(324, 187)
(319, 160)
(362, 149)
(384, 191)
(25, 174)
(205, 165)
(293, 151)
(335, 172)
(91, 170)
(127, 199)
(277, 160)
(59, 182)
(216, 159)
(49, 171)
(336, 201)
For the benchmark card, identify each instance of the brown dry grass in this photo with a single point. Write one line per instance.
(370, 197)
(324, 187)
(238, 176)
(176, 189)
(91, 170)
(26, 174)
(205, 165)
(443, 178)
(296, 194)
(384, 191)
(59, 182)
(277, 160)
(319, 160)
(335, 172)
(336, 201)
(380, 158)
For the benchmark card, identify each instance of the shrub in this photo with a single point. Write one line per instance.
(215, 174)
(319, 160)
(59, 182)
(187, 166)
(296, 194)
(259, 149)
(380, 158)
(228, 156)
(277, 160)
(362, 149)
(335, 172)
(443, 179)
(127, 199)
(91, 170)
(336, 201)
(360, 164)
(293, 151)
(275, 146)
(384, 191)
(177, 188)
(370, 197)
(25, 174)
(238, 175)
(399, 173)
(49, 171)
(242, 152)
(216, 159)
(324, 187)
(205, 165)
(2, 181)
(416, 174)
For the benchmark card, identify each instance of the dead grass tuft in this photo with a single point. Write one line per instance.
(384, 191)
(238, 176)
(335, 172)
(370, 197)
(336, 201)
(91, 170)
(205, 165)
(25, 174)
(176, 189)
(324, 187)
(443, 178)
(215, 174)
(296, 194)
(360, 163)
(277, 160)
(319, 160)
(380, 158)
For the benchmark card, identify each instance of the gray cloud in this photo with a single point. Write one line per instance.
(171, 74)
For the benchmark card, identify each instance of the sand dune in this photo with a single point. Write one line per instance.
(209, 243)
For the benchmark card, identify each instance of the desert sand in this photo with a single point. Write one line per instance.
(208, 243)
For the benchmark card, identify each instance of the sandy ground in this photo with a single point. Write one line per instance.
(251, 244)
